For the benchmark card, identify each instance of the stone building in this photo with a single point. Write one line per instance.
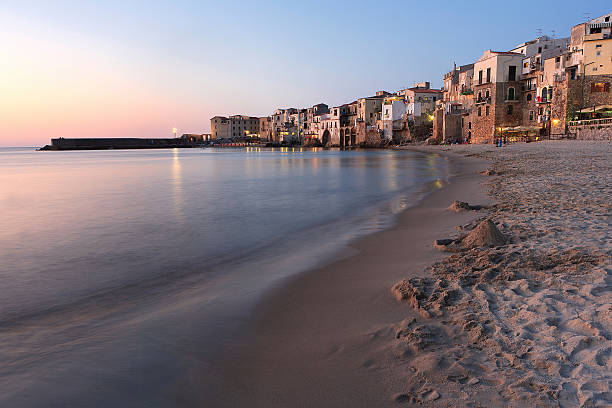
(497, 96)
(458, 100)
(370, 108)
(235, 126)
(265, 128)
(220, 127)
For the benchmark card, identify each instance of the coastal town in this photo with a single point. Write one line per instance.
(544, 88)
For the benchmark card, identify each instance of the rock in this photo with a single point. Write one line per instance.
(485, 234)
(460, 206)
(473, 381)
(488, 172)
(442, 244)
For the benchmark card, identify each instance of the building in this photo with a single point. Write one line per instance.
(242, 125)
(283, 128)
(451, 116)
(313, 123)
(265, 128)
(370, 108)
(394, 116)
(423, 95)
(497, 96)
(583, 87)
(220, 128)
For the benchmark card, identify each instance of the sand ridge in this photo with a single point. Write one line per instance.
(521, 313)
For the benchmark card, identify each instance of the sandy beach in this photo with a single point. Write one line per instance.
(511, 308)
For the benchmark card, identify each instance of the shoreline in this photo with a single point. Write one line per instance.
(318, 339)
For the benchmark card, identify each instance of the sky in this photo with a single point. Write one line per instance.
(141, 68)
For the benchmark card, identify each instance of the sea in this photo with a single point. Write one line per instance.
(124, 273)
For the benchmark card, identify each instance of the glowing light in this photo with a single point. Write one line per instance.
(555, 121)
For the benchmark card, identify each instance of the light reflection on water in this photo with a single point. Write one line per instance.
(115, 261)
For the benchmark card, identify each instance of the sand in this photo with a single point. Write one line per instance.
(527, 322)
(514, 315)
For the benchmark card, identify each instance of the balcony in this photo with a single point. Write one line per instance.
(483, 100)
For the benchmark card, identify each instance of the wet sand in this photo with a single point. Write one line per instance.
(322, 338)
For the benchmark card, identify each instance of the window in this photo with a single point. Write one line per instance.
(600, 87)
(488, 74)
(530, 115)
(558, 59)
(512, 73)
(510, 94)
(573, 73)
(541, 111)
(598, 46)
(487, 94)
(528, 97)
(550, 92)
(469, 125)
(598, 53)
(479, 95)
(462, 122)
(434, 98)
(480, 77)
(539, 50)
(544, 94)
(487, 110)
(510, 109)
(526, 65)
(480, 111)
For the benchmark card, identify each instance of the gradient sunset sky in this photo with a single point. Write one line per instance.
(140, 68)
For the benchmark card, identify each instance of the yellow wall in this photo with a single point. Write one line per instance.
(605, 57)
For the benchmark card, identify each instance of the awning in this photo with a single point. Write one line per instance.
(521, 129)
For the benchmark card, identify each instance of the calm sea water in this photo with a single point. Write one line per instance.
(122, 273)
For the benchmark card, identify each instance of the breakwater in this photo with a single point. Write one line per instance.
(119, 143)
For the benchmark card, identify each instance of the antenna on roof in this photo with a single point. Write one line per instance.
(587, 16)
(539, 32)
(553, 34)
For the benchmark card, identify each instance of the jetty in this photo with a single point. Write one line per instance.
(121, 143)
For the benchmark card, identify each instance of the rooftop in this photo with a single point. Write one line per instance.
(423, 90)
